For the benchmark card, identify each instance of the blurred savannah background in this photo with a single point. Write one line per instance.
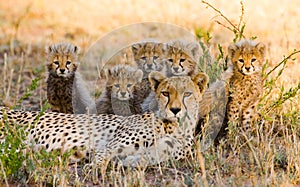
(38, 23)
(27, 26)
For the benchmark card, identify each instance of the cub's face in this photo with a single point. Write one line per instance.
(148, 56)
(179, 62)
(178, 97)
(122, 89)
(246, 56)
(122, 80)
(62, 59)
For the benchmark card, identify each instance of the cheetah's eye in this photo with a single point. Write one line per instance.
(170, 60)
(68, 62)
(117, 85)
(253, 59)
(129, 85)
(187, 94)
(166, 94)
(181, 60)
(144, 58)
(241, 60)
(155, 57)
(56, 63)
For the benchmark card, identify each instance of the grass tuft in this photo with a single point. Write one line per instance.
(267, 155)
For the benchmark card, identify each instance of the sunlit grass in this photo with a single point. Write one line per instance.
(269, 156)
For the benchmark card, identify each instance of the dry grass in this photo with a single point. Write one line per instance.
(267, 157)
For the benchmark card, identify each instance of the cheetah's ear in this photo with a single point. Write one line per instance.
(261, 48)
(135, 48)
(231, 50)
(76, 50)
(155, 79)
(109, 76)
(138, 75)
(48, 49)
(201, 80)
(102, 73)
(169, 48)
(195, 50)
(108, 73)
(161, 46)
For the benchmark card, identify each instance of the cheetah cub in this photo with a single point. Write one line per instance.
(148, 56)
(246, 84)
(119, 96)
(182, 58)
(66, 91)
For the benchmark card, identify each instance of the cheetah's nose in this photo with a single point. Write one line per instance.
(175, 110)
(123, 93)
(149, 66)
(176, 69)
(62, 70)
(247, 68)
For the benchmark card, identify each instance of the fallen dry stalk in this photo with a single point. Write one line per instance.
(202, 163)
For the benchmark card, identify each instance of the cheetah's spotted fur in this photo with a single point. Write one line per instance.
(148, 56)
(66, 91)
(246, 84)
(148, 138)
(182, 58)
(119, 96)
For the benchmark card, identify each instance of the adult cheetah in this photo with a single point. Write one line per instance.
(139, 139)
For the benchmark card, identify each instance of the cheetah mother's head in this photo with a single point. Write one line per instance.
(178, 97)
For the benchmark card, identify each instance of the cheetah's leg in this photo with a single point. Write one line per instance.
(163, 149)
(55, 108)
(249, 115)
(100, 161)
(102, 157)
(233, 111)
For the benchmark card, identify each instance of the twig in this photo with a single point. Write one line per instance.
(202, 164)
(20, 73)
(242, 15)
(9, 86)
(4, 175)
(253, 152)
(218, 22)
(235, 28)
(5, 79)
(283, 61)
(284, 97)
